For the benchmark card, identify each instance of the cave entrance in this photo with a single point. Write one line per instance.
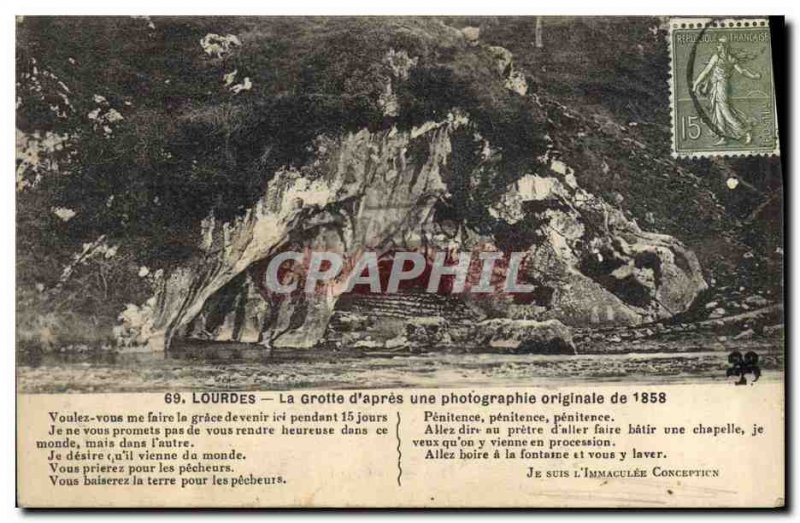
(363, 318)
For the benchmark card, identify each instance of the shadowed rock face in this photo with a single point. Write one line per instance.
(598, 266)
(362, 193)
(359, 107)
(367, 192)
(439, 185)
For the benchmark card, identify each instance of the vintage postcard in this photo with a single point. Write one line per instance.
(332, 261)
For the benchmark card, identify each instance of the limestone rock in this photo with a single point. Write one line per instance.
(526, 336)
(471, 34)
(504, 65)
(599, 268)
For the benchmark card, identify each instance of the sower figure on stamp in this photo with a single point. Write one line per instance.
(714, 81)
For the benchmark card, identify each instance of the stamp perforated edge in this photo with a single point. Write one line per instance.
(705, 21)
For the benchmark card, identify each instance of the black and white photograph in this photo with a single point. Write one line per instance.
(273, 203)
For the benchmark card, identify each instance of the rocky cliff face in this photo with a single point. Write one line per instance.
(401, 134)
(365, 192)
(378, 192)
(598, 266)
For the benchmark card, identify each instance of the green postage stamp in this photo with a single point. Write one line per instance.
(721, 87)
